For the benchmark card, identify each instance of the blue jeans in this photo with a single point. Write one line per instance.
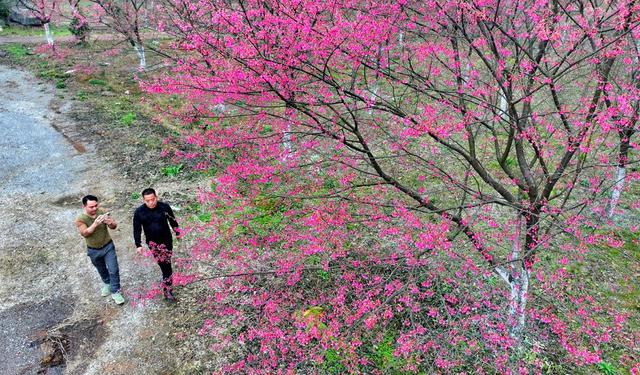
(106, 262)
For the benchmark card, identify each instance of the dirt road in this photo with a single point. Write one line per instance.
(52, 318)
(98, 34)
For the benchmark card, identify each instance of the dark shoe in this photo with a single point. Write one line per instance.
(168, 295)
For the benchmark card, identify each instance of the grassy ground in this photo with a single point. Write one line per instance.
(18, 30)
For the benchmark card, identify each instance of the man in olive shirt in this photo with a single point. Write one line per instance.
(92, 225)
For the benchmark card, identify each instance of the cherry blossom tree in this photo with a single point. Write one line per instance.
(125, 17)
(43, 11)
(435, 153)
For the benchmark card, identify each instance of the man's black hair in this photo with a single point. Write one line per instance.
(148, 191)
(87, 198)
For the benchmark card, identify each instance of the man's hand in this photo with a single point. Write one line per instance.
(140, 250)
(178, 233)
(109, 221)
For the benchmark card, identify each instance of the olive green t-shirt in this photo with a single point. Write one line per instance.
(100, 237)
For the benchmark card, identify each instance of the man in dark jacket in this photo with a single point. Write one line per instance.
(154, 218)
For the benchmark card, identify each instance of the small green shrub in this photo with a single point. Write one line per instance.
(205, 217)
(172, 170)
(324, 275)
(61, 85)
(81, 95)
(135, 196)
(607, 368)
(128, 118)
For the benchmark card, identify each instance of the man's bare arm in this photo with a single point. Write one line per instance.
(86, 231)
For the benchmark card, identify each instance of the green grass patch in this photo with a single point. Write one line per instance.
(172, 170)
(608, 271)
(56, 75)
(205, 217)
(52, 74)
(82, 96)
(382, 355)
(17, 51)
(607, 368)
(16, 30)
(97, 82)
(128, 118)
(152, 143)
(332, 363)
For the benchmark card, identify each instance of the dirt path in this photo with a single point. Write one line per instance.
(97, 35)
(26, 39)
(50, 306)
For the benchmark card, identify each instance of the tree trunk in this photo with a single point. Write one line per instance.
(517, 277)
(373, 95)
(287, 143)
(617, 189)
(518, 304)
(140, 51)
(48, 35)
(502, 105)
(621, 171)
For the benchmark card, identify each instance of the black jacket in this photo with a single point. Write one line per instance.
(155, 223)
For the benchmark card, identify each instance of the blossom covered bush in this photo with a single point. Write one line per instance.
(407, 186)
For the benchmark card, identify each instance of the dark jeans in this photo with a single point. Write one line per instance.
(162, 255)
(106, 262)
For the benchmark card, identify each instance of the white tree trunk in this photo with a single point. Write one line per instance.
(287, 152)
(48, 35)
(143, 60)
(219, 108)
(617, 190)
(518, 304)
(465, 74)
(503, 106)
(373, 94)
(518, 280)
